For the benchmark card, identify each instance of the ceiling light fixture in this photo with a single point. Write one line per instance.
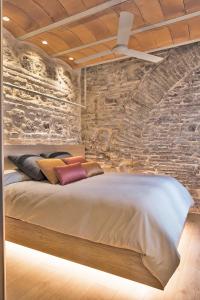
(5, 18)
(44, 42)
(71, 58)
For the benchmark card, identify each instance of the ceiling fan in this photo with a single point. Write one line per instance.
(124, 32)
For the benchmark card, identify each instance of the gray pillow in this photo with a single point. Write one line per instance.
(13, 176)
(59, 154)
(28, 164)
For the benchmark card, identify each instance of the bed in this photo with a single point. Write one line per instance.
(127, 225)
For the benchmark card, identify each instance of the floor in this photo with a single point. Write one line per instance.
(34, 275)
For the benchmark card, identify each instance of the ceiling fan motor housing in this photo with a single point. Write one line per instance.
(120, 49)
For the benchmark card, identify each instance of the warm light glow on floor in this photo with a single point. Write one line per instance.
(66, 269)
(33, 275)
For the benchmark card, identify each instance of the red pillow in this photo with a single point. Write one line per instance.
(70, 173)
(74, 159)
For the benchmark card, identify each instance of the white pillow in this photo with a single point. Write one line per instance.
(13, 176)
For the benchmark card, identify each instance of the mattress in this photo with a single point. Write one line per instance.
(142, 213)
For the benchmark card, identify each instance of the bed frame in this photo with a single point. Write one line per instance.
(117, 261)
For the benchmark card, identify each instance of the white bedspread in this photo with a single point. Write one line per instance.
(137, 212)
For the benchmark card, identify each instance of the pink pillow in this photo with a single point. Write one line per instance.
(74, 159)
(70, 173)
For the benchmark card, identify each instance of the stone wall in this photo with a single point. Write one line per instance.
(31, 118)
(142, 117)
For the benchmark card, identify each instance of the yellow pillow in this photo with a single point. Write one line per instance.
(92, 168)
(47, 167)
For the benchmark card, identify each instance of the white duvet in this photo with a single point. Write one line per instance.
(137, 212)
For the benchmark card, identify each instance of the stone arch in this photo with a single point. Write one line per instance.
(128, 97)
(161, 78)
(128, 91)
(170, 136)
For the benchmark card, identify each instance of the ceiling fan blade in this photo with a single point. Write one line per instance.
(125, 26)
(93, 56)
(141, 55)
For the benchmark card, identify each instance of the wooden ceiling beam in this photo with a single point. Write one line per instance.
(139, 30)
(77, 17)
(150, 51)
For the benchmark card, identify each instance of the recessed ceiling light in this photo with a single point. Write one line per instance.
(44, 42)
(5, 18)
(71, 58)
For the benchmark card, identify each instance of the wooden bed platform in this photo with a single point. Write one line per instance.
(121, 262)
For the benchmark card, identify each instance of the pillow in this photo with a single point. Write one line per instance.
(13, 176)
(70, 173)
(92, 168)
(55, 154)
(74, 159)
(27, 164)
(47, 166)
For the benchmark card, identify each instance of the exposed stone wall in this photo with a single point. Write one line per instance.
(140, 117)
(31, 118)
(146, 118)
(171, 135)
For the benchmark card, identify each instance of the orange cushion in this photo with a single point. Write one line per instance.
(92, 168)
(47, 167)
(74, 160)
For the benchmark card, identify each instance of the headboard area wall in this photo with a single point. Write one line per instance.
(31, 118)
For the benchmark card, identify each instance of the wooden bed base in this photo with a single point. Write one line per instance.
(121, 262)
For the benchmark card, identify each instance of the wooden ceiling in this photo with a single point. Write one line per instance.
(95, 32)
